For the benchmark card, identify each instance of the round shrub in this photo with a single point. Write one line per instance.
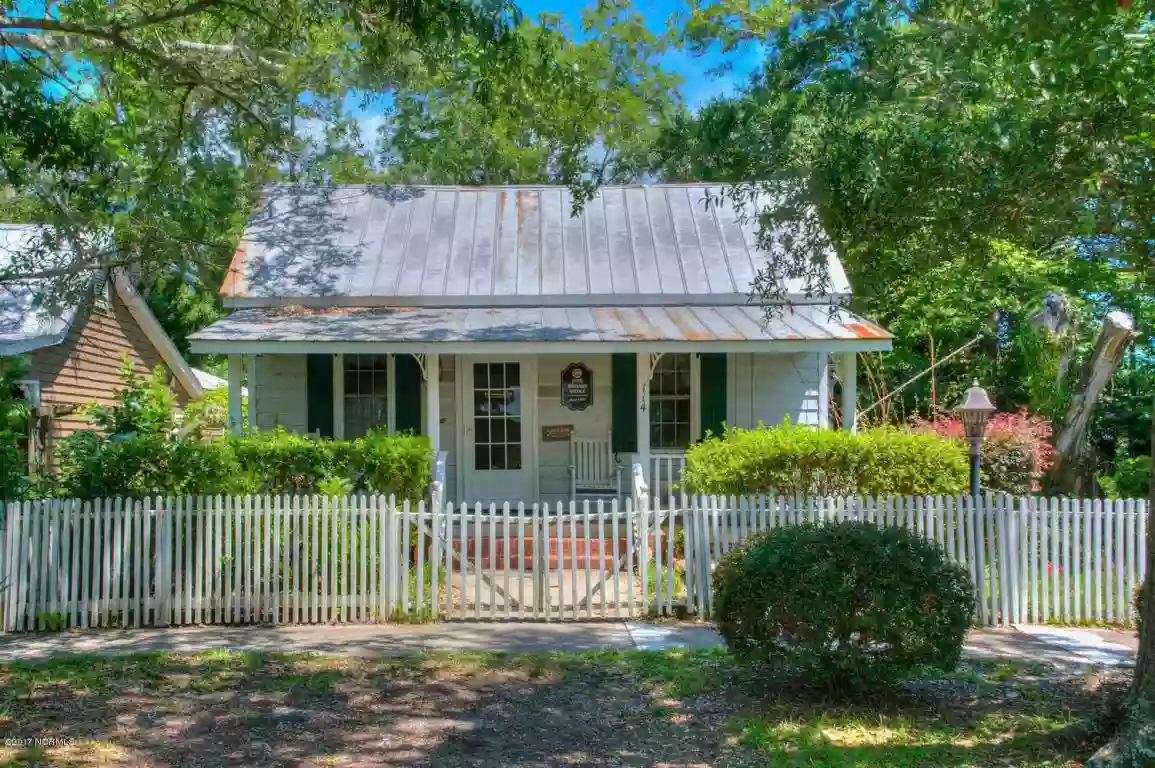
(850, 605)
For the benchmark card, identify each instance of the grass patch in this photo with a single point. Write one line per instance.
(677, 706)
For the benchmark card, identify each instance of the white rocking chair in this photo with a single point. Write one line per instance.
(592, 467)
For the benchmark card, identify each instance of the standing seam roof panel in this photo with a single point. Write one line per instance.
(552, 250)
(373, 242)
(641, 239)
(416, 245)
(528, 243)
(440, 243)
(665, 246)
(574, 243)
(506, 253)
(618, 240)
(485, 230)
(401, 244)
(597, 240)
(461, 246)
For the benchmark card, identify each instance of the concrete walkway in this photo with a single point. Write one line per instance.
(1059, 646)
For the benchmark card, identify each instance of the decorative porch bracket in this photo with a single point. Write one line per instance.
(655, 358)
(420, 358)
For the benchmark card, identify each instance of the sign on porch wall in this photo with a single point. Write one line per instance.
(577, 387)
(556, 433)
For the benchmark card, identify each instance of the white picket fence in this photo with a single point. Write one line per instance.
(213, 560)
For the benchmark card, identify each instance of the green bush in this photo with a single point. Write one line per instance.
(13, 466)
(208, 413)
(1129, 478)
(92, 466)
(850, 605)
(401, 465)
(283, 462)
(277, 462)
(805, 460)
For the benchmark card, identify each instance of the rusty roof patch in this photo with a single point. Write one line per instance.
(864, 329)
(235, 283)
(683, 318)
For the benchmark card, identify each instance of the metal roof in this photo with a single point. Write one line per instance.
(487, 246)
(24, 324)
(337, 328)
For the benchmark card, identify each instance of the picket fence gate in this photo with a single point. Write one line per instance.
(258, 559)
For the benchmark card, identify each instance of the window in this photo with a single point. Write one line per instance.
(670, 403)
(366, 394)
(497, 416)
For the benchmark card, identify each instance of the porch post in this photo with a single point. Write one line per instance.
(235, 379)
(433, 400)
(849, 366)
(251, 405)
(644, 364)
(824, 390)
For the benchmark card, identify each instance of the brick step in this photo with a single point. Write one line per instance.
(601, 551)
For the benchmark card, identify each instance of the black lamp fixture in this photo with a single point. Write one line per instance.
(975, 411)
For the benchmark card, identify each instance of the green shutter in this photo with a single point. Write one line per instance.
(319, 394)
(624, 383)
(407, 388)
(713, 386)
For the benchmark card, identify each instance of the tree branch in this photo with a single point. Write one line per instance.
(173, 15)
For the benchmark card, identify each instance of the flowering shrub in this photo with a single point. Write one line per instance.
(1015, 453)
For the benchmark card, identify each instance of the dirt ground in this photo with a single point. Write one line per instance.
(680, 708)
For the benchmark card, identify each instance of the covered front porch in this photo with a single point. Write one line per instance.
(544, 418)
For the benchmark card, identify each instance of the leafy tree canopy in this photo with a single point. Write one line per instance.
(558, 106)
(140, 134)
(135, 132)
(966, 159)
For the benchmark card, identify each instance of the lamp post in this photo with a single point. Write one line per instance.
(974, 411)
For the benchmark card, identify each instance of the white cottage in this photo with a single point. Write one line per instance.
(546, 355)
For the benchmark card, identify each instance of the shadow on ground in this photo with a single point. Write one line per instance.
(678, 708)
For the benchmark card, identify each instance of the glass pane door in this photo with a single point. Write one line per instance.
(497, 416)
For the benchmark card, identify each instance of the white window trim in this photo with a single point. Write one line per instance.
(695, 405)
(31, 390)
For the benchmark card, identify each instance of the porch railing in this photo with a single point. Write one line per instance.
(665, 475)
(437, 485)
(662, 478)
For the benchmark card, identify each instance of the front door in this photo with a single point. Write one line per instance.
(499, 428)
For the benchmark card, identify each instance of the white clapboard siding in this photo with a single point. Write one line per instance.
(165, 561)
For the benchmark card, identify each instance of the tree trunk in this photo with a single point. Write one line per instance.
(1133, 746)
(1116, 335)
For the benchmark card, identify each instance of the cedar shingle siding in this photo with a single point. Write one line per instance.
(85, 367)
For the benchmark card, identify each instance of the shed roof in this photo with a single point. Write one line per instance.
(496, 246)
(25, 324)
(270, 330)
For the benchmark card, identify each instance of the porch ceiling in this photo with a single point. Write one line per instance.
(538, 329)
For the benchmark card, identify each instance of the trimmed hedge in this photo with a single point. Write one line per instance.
(849, 605)
(278, 462)
(793, 459)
